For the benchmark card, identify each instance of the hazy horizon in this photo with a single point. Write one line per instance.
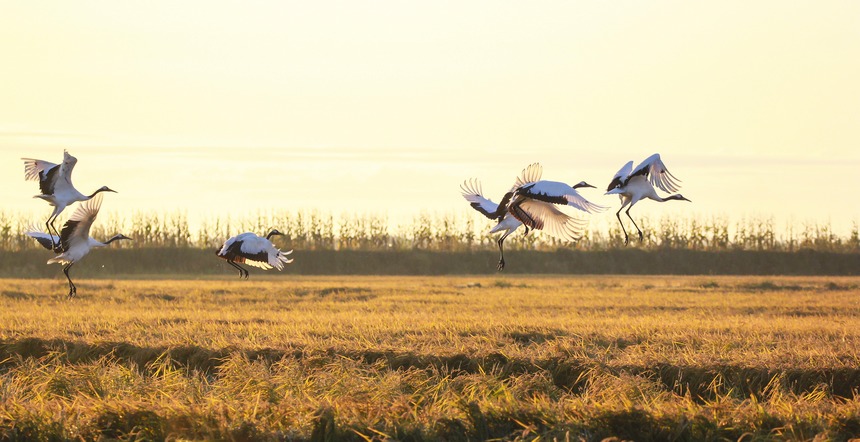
(387, 107)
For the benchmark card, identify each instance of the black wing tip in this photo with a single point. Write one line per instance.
(45, 242)
(616, 182)
(477, 206)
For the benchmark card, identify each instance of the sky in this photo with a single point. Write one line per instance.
(385, 107)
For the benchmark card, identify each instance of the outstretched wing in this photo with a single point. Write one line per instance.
(620, 177)
(44, 239)
(77, 228)
(531, 174)
(574, 199)
(545, 216)
(472, 192)
(657, 174)
(257, 258)
(254, 251)
(44, 172)
(559, 193)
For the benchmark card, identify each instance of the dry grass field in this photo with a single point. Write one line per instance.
(432, 358)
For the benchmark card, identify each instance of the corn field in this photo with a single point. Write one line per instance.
(315, 230)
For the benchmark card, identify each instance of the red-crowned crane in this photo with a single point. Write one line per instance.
(534, 205)
(254, 250)
(506, 222)
(74, 242)
(55, 182)
(633, 185)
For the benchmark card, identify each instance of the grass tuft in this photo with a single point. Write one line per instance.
(392, 358)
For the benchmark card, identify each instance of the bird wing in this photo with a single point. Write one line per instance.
(44, 172)
(253, 250)
(530, 174)
(540, 215)
(77, 228)
(67, 166)
(259, 252)
(657, 174)
(559, 193)
(44, 239)
(472, 193)
(33, 168)
(621, 176)
(574, 199)
(232, 240)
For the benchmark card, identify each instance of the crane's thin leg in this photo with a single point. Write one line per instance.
(518, 211)
(634, 223)
(72, 289)
(618, 215)
(242, 272)
(48, 225)
(501, 240)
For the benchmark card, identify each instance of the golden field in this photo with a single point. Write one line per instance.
(432, 358)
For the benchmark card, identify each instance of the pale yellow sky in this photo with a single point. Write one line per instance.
(386, 106)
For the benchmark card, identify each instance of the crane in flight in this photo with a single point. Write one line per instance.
(74, 242)
(534, 204)
(505, 221)
(253, 250)
(633, 185)
(55, 183)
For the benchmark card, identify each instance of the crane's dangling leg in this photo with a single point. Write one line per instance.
(634, 223)
(242, 272)
(72, 289)
(618, 215)
(501, 240)
(523, 216)
(50, 224)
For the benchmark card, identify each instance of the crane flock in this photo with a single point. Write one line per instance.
(531, 202)
(74, 242)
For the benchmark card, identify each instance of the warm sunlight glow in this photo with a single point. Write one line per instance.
(388, 106)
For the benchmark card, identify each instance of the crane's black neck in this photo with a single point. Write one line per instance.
(675, 197)
(90, 196)
(115, 237)
(272, 233)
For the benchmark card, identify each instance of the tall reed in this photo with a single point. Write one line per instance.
(451, 232)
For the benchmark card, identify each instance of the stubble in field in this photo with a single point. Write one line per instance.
(572, 358)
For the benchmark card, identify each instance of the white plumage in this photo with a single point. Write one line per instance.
(506, 222)
(55, 183)
(256, 251)
(74, 242)
(533, 203)
(560, 193)
(633, 185)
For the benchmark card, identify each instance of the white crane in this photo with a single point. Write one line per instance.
(254, 250)
(74, 242)
(55, 182)
(506, 222)
(534, 205)
(633, 185)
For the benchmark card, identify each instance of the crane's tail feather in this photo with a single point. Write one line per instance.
(58, 260)
(283, 258)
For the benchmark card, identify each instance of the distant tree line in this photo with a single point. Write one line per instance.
(315, 230)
